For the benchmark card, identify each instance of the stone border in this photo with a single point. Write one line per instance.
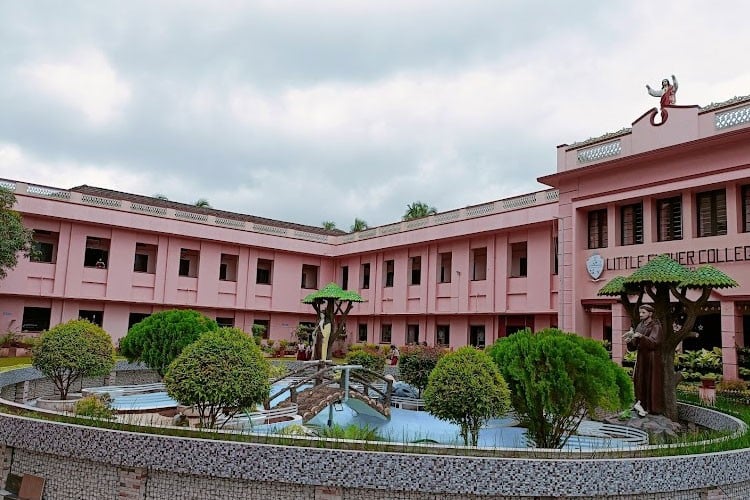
(436, 474)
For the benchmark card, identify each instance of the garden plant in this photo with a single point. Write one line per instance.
(71, 351)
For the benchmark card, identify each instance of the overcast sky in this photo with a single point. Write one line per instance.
(309, 111)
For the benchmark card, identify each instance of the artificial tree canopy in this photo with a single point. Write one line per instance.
(614, 288)
(661, 269)
(706, 276)
(332, 291)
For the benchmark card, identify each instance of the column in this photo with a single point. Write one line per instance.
(731, 324)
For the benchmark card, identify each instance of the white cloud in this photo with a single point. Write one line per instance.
(84, 81)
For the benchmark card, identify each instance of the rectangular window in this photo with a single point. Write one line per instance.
(265, 325)
(189, 263)
(225, 322)
(712, 213)
(412, 334)
(669, 219)
(415, 270)
(388, 269)
(476, 336)
(365, 272)
(36, 319)
(746, 209)
(309, 276)
(518, 260)
(554, 255)
(96, 317)
(445, 261)
(385, 334)
(362, 332)
(443, 335)
(598, 228)
(134, 318)
(228, 267)
(345, 277)
(631, 224)
(144, 260)
(479, 264)
(44, 246)
(97, 253)
(264, 273)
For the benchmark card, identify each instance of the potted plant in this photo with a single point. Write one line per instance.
(708, 380)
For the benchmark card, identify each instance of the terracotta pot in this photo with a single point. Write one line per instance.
(708, 383)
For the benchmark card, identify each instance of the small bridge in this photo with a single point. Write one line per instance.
(363, 390)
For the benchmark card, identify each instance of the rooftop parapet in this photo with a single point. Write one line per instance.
(648, 132)
(115, 200)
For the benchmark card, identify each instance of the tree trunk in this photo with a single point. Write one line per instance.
(671, 379)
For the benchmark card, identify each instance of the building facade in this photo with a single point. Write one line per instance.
(466, 276)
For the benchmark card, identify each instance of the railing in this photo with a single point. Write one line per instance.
(485, 209)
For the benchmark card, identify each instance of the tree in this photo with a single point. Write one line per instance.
(662, 280)
(223, 371)
(329, 225)
(557, 378)
(14, 237)
(202, 203)
(369, 358)
(71, 351)
(332, 304)
(416, 363)
(359, 225)
(467, 389)
(417, 210)
(161, 337)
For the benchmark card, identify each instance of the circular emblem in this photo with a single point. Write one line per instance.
(595, 266)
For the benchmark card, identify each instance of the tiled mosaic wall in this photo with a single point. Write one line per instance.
(84, 462)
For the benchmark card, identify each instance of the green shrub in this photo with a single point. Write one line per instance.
(71, 351)
(95, 407)
(222, 371)
(467, 389)
(373, 360)
(416, 363)
(556, 378)
(161, 337)
(351, 431)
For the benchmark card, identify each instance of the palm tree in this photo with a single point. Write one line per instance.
(359, 225)
(417, 210)
(202, 203)
(328, 224)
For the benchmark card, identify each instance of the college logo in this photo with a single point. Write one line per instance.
(595, 266)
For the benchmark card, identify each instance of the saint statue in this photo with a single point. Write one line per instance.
(667, 95)
(647, 374)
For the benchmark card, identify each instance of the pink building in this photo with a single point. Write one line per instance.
(466, 276)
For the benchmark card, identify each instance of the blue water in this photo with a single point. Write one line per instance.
(406, 426)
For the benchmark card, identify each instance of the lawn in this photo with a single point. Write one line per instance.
(6, 363)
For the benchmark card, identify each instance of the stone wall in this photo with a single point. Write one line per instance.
(86, 462)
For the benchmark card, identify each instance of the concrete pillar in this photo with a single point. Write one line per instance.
(620, 324)
(731, 327)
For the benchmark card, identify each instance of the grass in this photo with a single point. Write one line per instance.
(14, 362)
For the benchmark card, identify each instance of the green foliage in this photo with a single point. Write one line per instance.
(373, 360)
(161, 337)
(94, 407)
(223, 370)
(335, 292)
(329, 225)
(556, 378)
(417, 210)
(14, 237)
(73, 350)
(467, 389)
(694, 364)
(351, 431)
(258, 331)
(359, 225)
(416, 363)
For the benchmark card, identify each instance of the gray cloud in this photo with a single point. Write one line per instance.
(312, 111)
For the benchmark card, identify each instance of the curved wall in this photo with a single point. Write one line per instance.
(85, 462)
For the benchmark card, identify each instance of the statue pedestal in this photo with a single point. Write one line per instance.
(707, 395)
